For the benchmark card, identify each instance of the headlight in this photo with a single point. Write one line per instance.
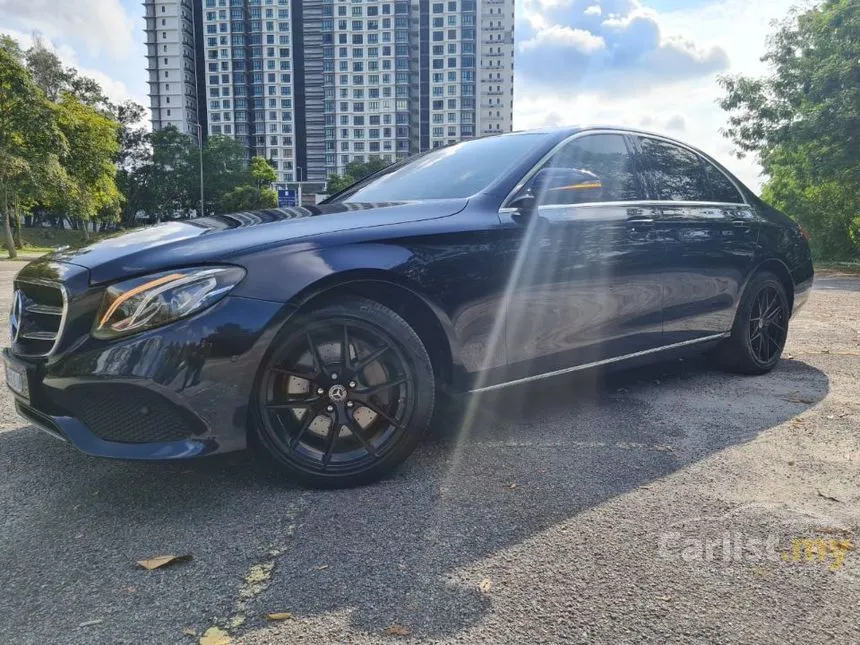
(154, 300)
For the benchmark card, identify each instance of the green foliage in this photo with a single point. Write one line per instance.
(93, 145)
(803, 123)
(248, 198)
(338, 183)
(31, 144)
(355, 171)
(263, 172)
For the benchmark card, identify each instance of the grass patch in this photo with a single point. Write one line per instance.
(40, 241)
(852, 268)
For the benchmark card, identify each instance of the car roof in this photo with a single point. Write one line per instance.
(568, 130)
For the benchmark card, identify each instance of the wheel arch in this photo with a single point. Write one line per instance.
(780, 269)
(399, 294)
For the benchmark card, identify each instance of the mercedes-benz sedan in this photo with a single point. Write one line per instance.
(325, 335)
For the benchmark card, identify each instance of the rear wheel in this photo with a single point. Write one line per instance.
(346, 395)
(760, 329)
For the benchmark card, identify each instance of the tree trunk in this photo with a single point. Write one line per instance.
(16, 232)
(86, 228)
(10, 243)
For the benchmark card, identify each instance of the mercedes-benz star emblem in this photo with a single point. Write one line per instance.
(15, 316)
(337, 393)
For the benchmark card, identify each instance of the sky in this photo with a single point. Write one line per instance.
(643, 63)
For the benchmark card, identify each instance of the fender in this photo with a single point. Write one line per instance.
(309, 271)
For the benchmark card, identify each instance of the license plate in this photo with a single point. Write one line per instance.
(16, 379)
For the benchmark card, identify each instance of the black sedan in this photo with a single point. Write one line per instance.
(326, 335)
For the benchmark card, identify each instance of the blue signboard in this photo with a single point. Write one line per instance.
(287, 197)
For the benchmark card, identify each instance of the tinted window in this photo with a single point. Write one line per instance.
(676, 172)
(461, 170)
(604, 172)
(722, 189)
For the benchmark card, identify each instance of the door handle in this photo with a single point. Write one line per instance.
(740, 223)
(639, 222)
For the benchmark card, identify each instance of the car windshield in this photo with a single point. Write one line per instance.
(456, 171)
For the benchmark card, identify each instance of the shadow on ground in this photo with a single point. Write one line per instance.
(390, 553)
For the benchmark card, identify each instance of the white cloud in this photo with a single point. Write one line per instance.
(99, 24)
(593, 10)
(577, 39)
(729, 33)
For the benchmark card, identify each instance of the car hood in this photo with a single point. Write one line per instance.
(213, 239)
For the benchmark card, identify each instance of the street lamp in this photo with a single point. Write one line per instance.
(200, 146)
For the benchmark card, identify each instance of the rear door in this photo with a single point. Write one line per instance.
(709, 235)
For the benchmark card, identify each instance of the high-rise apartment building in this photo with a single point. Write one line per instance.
(313, 85)
(496, 88)
(249, 77)
(175, 87)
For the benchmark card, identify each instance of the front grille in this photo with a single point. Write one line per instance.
(38, 314)
(128, 414)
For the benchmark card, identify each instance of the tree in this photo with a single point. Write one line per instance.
(54, 78)
(225, 167)
(31, 144)
(90, 162)
(248, 198)
(133, 161)
(803, 123)
(173, 173)
(355, 171)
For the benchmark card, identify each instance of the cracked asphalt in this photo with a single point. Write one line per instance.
(627, 508)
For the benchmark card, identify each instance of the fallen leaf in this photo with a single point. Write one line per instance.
(188, 631)
(511, 486)
(791, 462)
(162, 561)
(396, 630)
(794, 398)
(832, 531)
(666, 598)
(830, 416)
(215, 636)
(827, 497)
(279, 615)
(485, 586)
(322, 567)
(90, 623)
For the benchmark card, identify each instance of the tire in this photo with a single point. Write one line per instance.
(760, 328)
(370, 405)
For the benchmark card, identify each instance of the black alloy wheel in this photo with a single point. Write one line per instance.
(768, 325)
(346, 394)
(760, 329)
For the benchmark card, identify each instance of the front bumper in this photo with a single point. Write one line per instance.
(175, 392)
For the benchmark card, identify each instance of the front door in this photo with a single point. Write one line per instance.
(586, 286)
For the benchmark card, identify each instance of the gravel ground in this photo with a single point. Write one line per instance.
(657, 505)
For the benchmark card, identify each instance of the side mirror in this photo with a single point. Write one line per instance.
(525, 204)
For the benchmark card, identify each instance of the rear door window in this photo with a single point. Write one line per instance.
(676, 173)
(722, 189)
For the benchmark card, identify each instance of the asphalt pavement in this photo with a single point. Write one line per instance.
(669, 504)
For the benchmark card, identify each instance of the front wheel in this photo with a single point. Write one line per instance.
(345, 396)
(760, 328)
